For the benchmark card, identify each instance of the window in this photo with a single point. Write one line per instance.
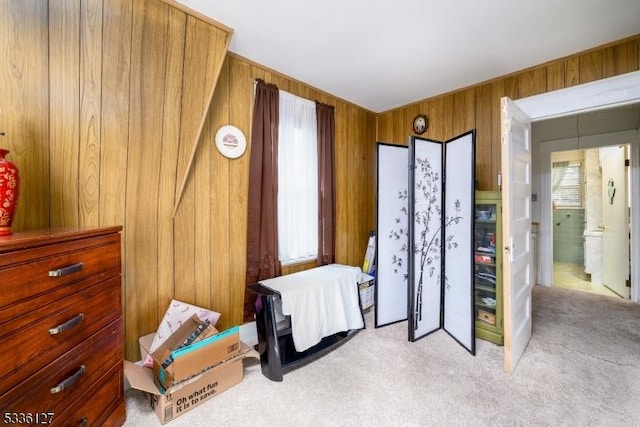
(297, 180)
(567, 184)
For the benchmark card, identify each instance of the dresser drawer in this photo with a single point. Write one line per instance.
(50, 267)
(32, 340)
(17, 315)
(97, 403)
(62, 382)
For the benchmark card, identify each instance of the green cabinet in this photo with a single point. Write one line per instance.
(488, 266)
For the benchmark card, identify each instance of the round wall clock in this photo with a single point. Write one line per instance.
(230, 142)
(420, 124)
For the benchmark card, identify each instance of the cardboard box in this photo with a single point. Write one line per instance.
(145, 344)
(196, 357)
(487, 317)
(176, 315)
(179, 336)
(182, 397)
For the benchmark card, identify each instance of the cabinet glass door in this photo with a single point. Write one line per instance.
(485, 264)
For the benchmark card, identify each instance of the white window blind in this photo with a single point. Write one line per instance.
(297, 180)
(567, 184)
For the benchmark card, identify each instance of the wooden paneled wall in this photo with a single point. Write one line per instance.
(479, 106)
(101, 103)
(354, 157)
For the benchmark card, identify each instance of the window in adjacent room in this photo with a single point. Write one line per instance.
(567, 184)
(297, 180)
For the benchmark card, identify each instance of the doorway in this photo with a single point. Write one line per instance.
(591, 242)
(615, 126)
(600, 95)
(595, 96)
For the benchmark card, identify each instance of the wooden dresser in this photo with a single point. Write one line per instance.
(61, 328)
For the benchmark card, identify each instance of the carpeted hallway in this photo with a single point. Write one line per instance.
(581, 368)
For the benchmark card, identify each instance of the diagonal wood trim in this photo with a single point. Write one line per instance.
(196, 140)
(198, 15)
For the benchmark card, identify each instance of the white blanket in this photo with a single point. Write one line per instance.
(321, 302)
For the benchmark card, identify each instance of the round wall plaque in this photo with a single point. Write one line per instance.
(230, 142)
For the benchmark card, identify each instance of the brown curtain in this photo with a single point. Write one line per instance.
(326, 184)
(262, 223)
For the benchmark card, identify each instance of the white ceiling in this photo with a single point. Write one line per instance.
(382, 54)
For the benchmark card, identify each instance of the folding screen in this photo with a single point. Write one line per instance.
(441, 284)
(431, 214)
(391, 241)
(425, 236)
(458, 311)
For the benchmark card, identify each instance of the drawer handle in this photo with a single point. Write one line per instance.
(83, 422)
(66, 325)
(69, 381)
(66, 270)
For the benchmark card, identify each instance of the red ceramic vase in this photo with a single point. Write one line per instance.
(9, 186)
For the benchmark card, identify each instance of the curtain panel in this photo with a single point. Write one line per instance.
(326, 183)
(262, 225)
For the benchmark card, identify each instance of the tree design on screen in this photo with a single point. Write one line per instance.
(399, 260)
(428, 221)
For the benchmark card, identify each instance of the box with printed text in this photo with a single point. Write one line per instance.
(183, 396)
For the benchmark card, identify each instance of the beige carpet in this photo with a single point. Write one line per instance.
(581, 368)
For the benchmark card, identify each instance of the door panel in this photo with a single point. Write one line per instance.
(516, 226)
(615, 218)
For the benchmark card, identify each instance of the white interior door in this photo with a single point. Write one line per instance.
(615, 219)
(516, 228)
